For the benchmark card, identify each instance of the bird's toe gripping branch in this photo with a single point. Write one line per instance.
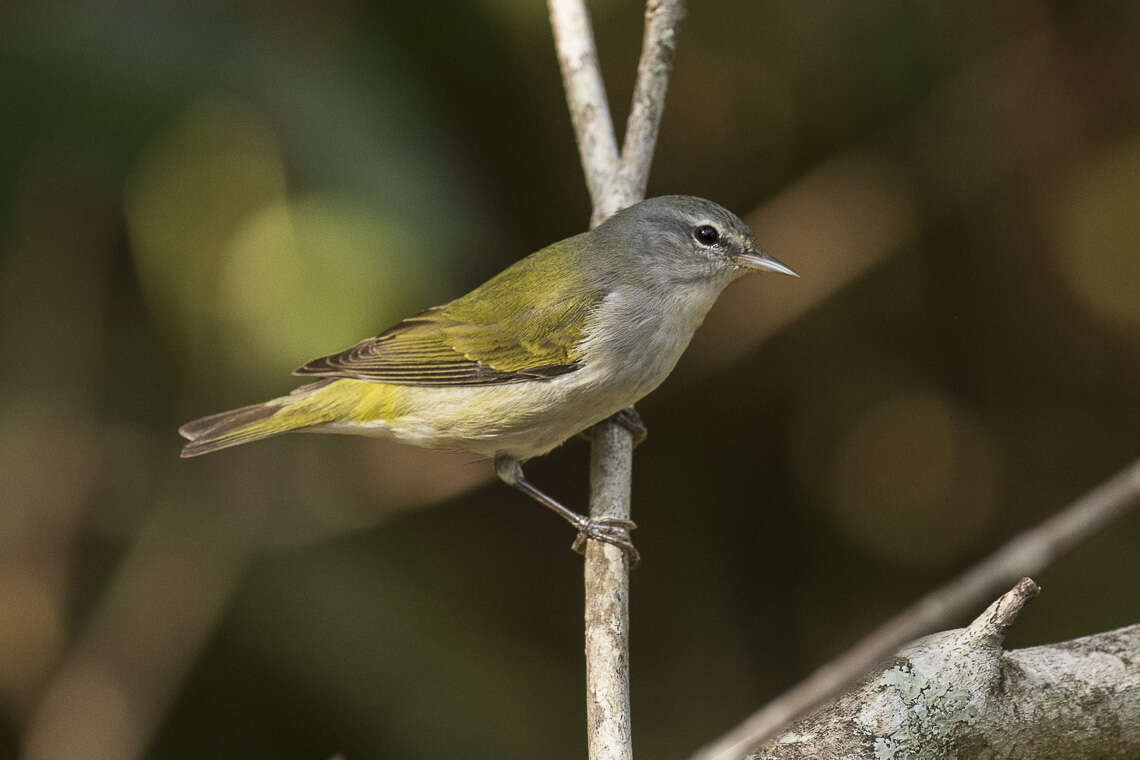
(610, 530)
(629, 419)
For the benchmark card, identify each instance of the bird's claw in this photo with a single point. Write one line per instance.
(629, 419)
(610, 530)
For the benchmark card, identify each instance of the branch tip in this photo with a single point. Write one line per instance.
(989, 628)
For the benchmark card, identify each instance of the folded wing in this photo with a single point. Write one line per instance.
(492, 335)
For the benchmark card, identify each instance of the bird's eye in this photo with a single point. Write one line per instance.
(706, 234)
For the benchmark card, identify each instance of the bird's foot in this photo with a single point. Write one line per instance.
(610, 530)
(629, 419)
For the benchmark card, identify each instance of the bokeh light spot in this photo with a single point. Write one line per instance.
(31, 634)
(310, 277)
(194, 188)
(913, 479)
(87, 713)
(1097, 234)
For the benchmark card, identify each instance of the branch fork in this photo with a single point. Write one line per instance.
(615, 181)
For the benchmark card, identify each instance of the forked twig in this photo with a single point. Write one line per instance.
(614, 182)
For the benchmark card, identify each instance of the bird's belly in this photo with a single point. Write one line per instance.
(522, 419)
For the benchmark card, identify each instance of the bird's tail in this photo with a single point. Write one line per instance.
(301, 409)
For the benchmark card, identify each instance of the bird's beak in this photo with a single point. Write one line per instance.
(759, 260)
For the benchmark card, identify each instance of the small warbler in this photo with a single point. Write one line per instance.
(555, 343)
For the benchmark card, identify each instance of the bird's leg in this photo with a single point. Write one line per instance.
(629, 419)
(610, 530)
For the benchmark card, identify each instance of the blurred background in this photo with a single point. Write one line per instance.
(196, 198)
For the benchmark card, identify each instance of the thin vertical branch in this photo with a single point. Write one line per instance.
(614, 182)
(607, 600)
(585, 94)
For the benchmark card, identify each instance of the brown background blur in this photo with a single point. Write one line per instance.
(197, 197)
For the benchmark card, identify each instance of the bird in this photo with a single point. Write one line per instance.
(562, 339)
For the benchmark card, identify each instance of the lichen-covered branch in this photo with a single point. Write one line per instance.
(956, 694)
(614, 182)
(1027, 554)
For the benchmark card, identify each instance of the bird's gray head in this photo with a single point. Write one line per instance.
(686, 239)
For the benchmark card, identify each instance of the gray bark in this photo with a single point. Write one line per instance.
(615, 182)
(957, 694)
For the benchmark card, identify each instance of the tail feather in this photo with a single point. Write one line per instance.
(219, 431)
(247, 424)
(226, 421)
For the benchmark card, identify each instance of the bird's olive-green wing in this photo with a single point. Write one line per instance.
(518, 326)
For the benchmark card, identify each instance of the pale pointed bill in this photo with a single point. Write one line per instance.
(761, 260)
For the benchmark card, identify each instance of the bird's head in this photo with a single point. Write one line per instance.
(684, 239)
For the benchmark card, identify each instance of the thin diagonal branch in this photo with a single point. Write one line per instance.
(662, 22)
(1027, 554)
(614, 183)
